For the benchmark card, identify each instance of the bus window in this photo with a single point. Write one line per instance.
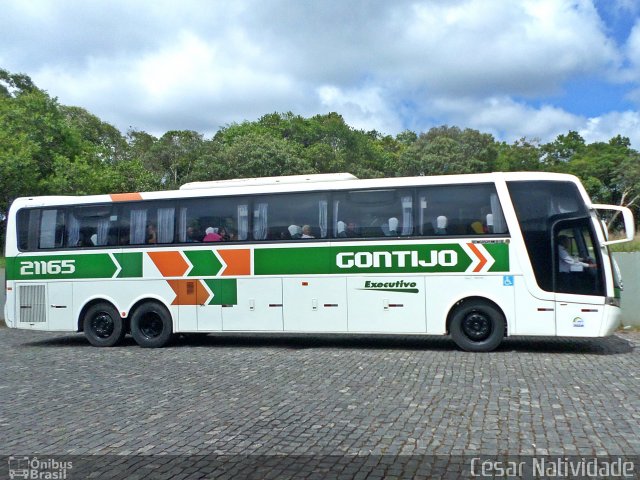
(290, 217)
(373, 213)
(51, 228)
(227, 217)
(537, 205)
(460, 210)
(27, 226)
(91, 226)
(147, 223)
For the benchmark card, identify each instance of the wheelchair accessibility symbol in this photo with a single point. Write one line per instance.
(507, 281)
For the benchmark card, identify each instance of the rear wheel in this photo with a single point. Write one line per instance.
(477, 326)
(151, 325)
(103, 325)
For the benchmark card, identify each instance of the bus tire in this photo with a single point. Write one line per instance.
(151, 325)
(477, 326)
(103, 325)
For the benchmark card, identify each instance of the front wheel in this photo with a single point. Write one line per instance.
(151, 325)
(477, 326)
(103, 325)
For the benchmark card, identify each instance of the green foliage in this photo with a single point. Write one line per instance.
(633, 246)
(449, 150)
(48, 148)
(522, 155)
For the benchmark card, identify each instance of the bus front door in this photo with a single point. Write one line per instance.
(578, 279)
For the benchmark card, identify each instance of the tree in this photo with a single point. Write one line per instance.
(556, 154)
(104, 140)
(173, 156)
(259, 155)
(449, 150)
(522, 155)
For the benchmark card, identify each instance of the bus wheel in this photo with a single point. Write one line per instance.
(103, 325)
(477, 326)
(151, 325)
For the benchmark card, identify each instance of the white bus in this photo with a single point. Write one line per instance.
(476, 257)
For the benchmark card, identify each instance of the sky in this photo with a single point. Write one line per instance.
(512, 68)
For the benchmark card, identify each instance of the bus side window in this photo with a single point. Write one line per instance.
(380, 213)
(469, 209)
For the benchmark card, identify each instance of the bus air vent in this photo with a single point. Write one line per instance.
(32, 304)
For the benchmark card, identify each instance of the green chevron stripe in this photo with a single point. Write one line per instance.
(205, 263)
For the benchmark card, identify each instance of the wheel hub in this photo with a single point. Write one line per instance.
(151, 326)
(476, 326)
(103, 325)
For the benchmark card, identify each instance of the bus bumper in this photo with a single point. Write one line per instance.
(610, 320)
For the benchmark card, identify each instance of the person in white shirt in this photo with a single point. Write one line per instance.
(567, 263)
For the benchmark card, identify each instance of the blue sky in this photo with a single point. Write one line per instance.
(530, 68)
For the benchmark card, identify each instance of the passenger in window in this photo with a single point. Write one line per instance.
(393, 227)
(152, 233)
(124, 236)
(306, 232)
(212, 235)
(294, 231)
(441, 225)
(341, 226)
(477, 228)
(352, 230)
(85, 238)
(223, 234)
(192, 236)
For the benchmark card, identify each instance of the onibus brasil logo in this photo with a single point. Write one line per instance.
(38, 468)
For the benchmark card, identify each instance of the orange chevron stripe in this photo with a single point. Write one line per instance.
(189, 292)
(125, 197)
(170, 264)
(238, 262)
(175, 286)
(483, 260)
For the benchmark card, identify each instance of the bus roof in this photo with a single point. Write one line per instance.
(285, 179)
(294, 183)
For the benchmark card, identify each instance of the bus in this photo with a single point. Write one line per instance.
(477, 257)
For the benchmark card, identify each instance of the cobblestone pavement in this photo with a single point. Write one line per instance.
(327, 395)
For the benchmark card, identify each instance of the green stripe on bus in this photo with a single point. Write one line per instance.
(92, 265)
(205, 263)
(433, 258)
(500, 253)
(225, 291)
(131, 264)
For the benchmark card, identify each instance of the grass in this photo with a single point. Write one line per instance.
(632, 246)
(628, 329)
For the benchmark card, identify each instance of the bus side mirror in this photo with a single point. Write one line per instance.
(629, 225)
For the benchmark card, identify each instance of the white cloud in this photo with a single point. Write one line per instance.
(160, 65)
(365, 109)
(524, 48)
(607, 126)
(504, 117)
(632, 50)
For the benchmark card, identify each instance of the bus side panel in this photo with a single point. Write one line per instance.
(534, 316)
(443, 292)
(386, 304)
